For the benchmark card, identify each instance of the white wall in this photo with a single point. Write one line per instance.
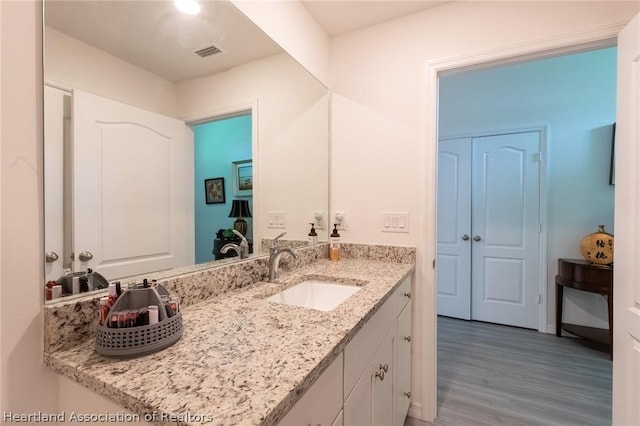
(574, 96)
(27, 385)
(292, 134)
(78, 65)
(301, 37)
(378, 120)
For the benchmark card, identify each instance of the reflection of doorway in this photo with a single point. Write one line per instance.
(218, 144)
(593, 152)
(488, 228)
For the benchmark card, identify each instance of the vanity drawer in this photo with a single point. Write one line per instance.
(403, 295)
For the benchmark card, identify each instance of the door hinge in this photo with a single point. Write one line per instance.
(537, 157)
(539, 299)
(434, 264)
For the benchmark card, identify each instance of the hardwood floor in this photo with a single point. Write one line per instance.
(497, 375)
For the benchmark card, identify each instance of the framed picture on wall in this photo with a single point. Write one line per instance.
(242, 175)
(214, 190)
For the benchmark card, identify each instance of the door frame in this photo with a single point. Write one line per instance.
(427, 348)
(228, 111)
(543, 326)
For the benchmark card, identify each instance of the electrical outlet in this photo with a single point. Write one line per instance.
(318, 218)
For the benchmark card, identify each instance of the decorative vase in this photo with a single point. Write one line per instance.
(240, 225)
(598, 247)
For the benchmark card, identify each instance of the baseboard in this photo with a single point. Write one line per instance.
(415, 410)
(551, 329)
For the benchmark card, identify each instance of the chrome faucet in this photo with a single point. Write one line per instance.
(275, 253)
(244, 245)
(241, 250)
(231, 246)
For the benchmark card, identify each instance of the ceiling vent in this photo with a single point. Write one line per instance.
(208, 51)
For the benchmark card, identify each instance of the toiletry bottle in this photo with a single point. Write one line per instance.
(111, 294)
(153, 314)
(334, 244)
(313, 235)
(56, 291)
(48, 293)
(104, 310)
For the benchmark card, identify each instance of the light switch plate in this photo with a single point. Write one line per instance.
(277, 220)
(395, 222)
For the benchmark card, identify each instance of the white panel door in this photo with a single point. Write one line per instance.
(454, 228)
(506, 228)
(626, 312)
(54, 118)
(133, 172)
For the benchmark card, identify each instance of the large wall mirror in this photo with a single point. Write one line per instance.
(165, 130)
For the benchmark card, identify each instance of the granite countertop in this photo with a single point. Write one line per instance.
(241, 360)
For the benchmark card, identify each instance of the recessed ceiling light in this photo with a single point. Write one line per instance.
(190, 7)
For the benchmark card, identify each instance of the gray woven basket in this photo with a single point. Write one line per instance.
(135, 341)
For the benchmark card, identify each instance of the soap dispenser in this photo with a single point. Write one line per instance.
(334, 244)
(313, 235)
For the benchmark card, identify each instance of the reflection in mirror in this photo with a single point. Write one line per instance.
(156, 122)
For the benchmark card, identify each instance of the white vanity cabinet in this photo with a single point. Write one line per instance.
(370, 402)
(402, 366)
(322, 403)
(381, 393)
(369, 384)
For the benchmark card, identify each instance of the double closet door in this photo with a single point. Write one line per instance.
(488, 228)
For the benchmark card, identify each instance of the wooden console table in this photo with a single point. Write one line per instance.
(585, 276)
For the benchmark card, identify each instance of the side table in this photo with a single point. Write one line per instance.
(584, 276)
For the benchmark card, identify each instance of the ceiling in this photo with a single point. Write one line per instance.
(155, 36)
(342, 16)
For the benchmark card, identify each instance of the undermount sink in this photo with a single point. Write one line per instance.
(315, 294)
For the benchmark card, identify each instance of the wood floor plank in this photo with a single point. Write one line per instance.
(497, 375)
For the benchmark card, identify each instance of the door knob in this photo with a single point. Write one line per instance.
(50, 256)
(465, 237)
(85, 256)
(380, 375)
(477, 238)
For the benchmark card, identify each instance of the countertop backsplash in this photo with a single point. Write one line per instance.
(71, 322)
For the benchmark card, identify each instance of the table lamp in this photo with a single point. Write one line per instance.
(240, 210)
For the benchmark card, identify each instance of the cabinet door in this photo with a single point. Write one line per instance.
(322, 402)
(371, 402)
(382, 389)
(357, 408)
(402, 367)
